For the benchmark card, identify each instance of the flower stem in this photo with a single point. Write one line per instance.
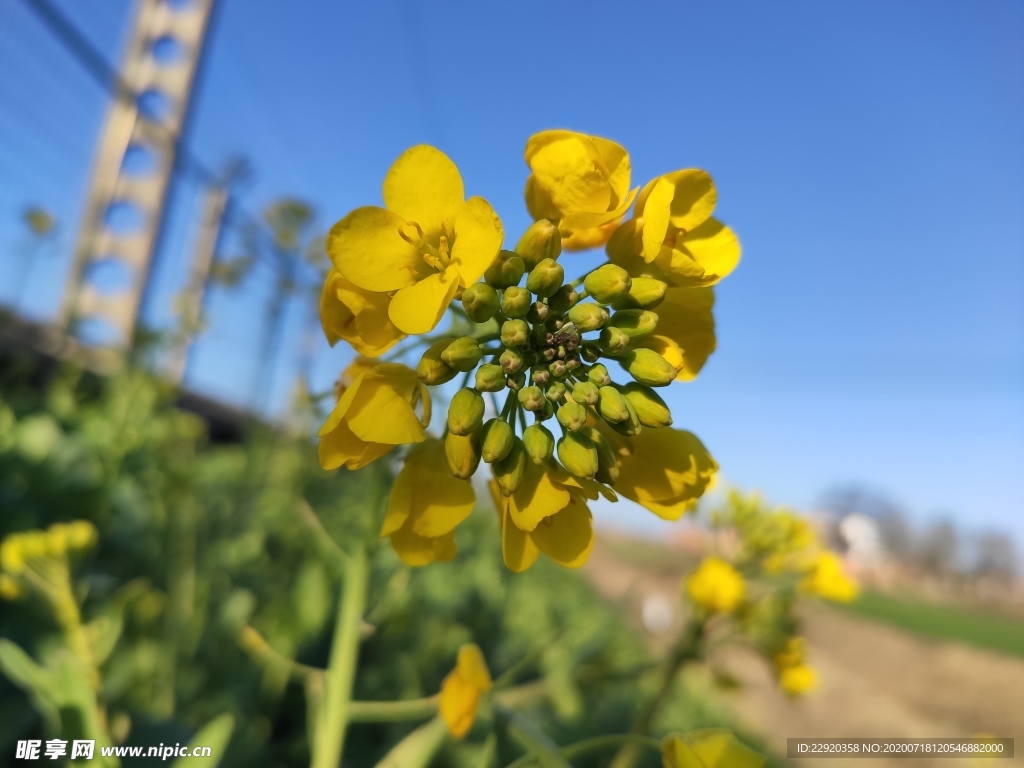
(392, 711)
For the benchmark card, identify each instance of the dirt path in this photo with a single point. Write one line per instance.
(876, 680)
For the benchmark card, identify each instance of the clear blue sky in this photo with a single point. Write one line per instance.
(869, 154)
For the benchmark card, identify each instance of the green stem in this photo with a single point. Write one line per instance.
(335, 713)
(598, 743)
(392, 711)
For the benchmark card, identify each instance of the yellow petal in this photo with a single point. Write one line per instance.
(380, 413)
(714, 247)
(478, 236)
(335, 315)
(366, 248)
(472, 667)
(358, 316)
(665, 470)
(538, 201)
(719, 748)
(517, 548)
(424, 186)
(562, 163)
(593, 220)
(536, 498)
(341, 408)
(418, 308)
(458, 704)
(585, 239)
(686, 330)
(656, 217)
(340, 447)
(615, 160)
(568, 536)
(399, 501)
(417, 550)
(439, 501)
(693, 199)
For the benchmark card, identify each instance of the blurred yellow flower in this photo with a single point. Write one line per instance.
(579, 182)
(548, 513)
(9, 589)
(426, 243)
(827, 578)
(716, 586)
(798, 680)
(685, 335)
(708, 748)
(462, 688)
(12, 558)
(673, 230)
(373, 415)
(425, 506)
(790, 656)
(356, 315)
(665, 470)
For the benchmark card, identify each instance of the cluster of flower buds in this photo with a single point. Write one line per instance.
(34, 550)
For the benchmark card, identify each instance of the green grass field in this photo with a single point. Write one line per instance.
(998, 633)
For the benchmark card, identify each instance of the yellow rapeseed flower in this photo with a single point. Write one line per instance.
(580, 183)
(673, 231)
(827, 578)
(12, 556)
(426, 243)
(798, 680)
(462, 688)
(9, 589)
(356, 315)
(716, 586)
(373, 415)
(708, 748)
(425, 506)
(685, 335)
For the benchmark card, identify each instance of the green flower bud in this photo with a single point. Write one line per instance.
(506, 270)
(629, 426)
(590, 352)
(599, 375)
(515, 333)
(480, 302)
(516, 381)
(614, 340)
(466, 413)
(578, 455)
(431, 369)
(508, 473)
(650, 408)
(541, 241)
(648, 367)
(634, 322)
(546, 412)
(539, 443)
(516, 302)
(540, 376)
(588, 316)
(555, 392)
(612, 405)
(539, 312)
(563, 298)
(545, 278)
(463, 354)
(557, 368)
(586, 393)
(510, 361)
(462, 453)
(531, 398)
(608, 283)
(607, 465)
(571, 415)
(645, 293)
(496, 440)
(490, 378)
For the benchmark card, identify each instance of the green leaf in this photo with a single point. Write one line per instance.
(215, 735)
(40, 682)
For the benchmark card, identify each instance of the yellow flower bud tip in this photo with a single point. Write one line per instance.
(614, 340)
(463, 454)
(572, 416)
(461, 690)
(650, 408)
(539, 443)
(480, 301)
(490, 378)
(798, 680)
(511, 361)
(650, 368)
(612, 405)
(716, 586)
(541, 241)
(555, 392)
(432, 369)
(515, 333)
(599, 375)
(545, 278)
(644, 293)
(466, 412)
(608, 283)
(578, 454)
(12, 556)
(496, 440)
(463, 354)
(634, 322)
(506, 270)
(588, 317)
(531, 398)
(516, 302)
(509, 472)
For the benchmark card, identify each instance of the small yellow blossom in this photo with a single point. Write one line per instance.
(716, 586)
(357, 316)
(792, 655)
(425, 506)
(9, 589)
(708, 748)
(12, 557)
(798, 680)
(462, 688)
(372, 416)
(672, 230)
(827, 578)
(426, 243)
(579, 182)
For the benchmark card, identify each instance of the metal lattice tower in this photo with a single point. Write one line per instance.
(146, 119)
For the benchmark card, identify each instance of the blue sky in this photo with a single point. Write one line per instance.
(870, 156)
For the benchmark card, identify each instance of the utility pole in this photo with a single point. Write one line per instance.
(146, 120)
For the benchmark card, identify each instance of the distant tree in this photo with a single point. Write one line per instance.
(940, 548)
(995, 556)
